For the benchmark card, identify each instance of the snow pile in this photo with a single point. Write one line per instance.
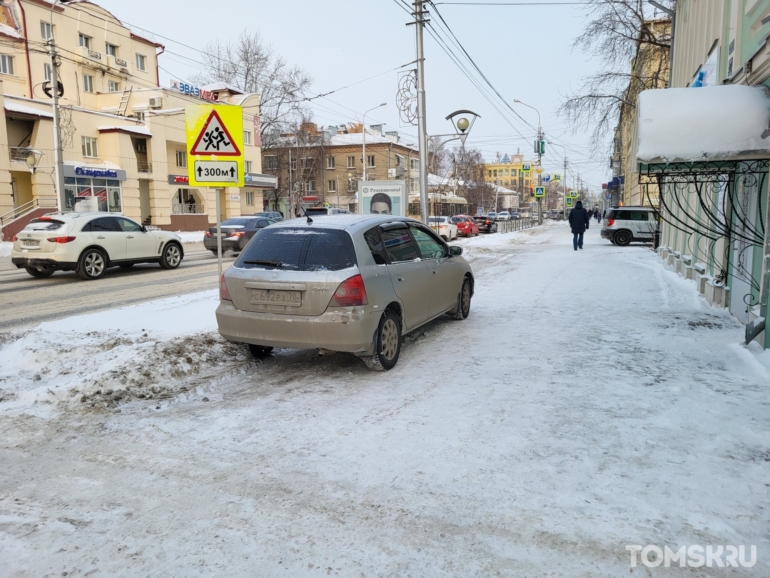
(711, 123)
(190, 236)
(115, 355)
(5, 249)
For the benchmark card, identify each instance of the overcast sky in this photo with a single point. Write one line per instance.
(525, 51)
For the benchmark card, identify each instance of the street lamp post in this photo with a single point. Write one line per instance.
(539, 160)
(364, 134)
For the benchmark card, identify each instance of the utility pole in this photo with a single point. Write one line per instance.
(564, 203)
(422, 129)
(539, 144)
(57, 144)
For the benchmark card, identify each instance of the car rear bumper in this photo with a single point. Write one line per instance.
(344, 329)
(22, 262)
(606, 233)
(227, 244)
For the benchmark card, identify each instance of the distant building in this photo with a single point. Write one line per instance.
(516, 173)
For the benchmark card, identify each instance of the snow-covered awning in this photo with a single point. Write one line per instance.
(13, 107)
(137, 130)
(703, 124)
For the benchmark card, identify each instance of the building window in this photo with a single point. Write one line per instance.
(248, 166)
(113, 86)
(490, 173)
(399, 161)
(46, 30)
(332, 186)
(271, 162)
(88, 83)
(293, 165)
(6, 64)
(141, 62)
(47, 73)
(351, 162)
(181, 159)
(112, 50)
(412, 185)
(329, 162)
(311, 186)
(370, 161)
(414, 164)
(247, 137)
(85, 41)
(249, 198)
(140, 115)
(307, 162)
(90, 147)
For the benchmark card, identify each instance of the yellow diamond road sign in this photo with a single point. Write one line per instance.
(215, 145)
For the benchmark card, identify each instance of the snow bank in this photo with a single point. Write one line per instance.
(139, 346)
(190, 236)
(691, 124)
(5, 249)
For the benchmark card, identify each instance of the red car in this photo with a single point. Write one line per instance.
(466, 225)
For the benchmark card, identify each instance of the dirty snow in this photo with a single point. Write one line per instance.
(591, 400)
(5, 249)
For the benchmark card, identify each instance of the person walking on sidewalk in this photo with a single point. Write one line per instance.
(578, 220)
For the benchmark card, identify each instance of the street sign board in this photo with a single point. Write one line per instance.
(556, 177)
(215, 145)
(216, 172)
(573, 194)
(525, 168)
(539, 191)
(568, 201)
(546, 178)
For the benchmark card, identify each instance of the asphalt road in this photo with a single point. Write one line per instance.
(26, 301)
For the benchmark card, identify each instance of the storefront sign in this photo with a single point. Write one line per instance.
(94, 172)
(235, 197)
(178, 180)
(261, 181)
(185, 88)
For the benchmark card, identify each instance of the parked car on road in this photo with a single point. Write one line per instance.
(492, 216)
(626, 224)
(515, 216)
(236, 232)
(91, 243)
(485, 224)
(466, 226)
(274, 215)
(503, 216)
(444, 226)
(351, 283)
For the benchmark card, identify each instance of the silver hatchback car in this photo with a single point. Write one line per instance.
(351, 283)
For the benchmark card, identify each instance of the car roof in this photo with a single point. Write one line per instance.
(350, 222)
(84, 215)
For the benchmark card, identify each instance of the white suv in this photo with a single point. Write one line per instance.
(626, 224)
(90, 243)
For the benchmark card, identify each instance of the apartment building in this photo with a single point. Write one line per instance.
(123, 134)
(324, 165)
(516, 173)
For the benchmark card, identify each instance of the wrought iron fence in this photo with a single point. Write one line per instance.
(187, 209)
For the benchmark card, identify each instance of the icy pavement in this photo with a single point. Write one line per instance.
(591, 401)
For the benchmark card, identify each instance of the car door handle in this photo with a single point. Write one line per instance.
(100, 237)
(400, 279)
(434, 271)
(129, 237)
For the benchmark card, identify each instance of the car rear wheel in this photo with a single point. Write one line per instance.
(40, 272)
(388, 343)
(463, 308)
(172, 256)
(622, 238)
(92, 265)
(260, 351)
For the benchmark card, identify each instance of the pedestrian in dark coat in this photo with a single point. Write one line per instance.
(578, 220)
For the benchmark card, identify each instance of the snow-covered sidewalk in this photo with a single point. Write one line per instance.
(591, 401)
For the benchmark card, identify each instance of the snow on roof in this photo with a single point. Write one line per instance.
(9, 31)
(357, 139)
(697, 124)
(216, 86)
(22, 109)
(140, 130)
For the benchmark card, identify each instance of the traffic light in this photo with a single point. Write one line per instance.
(539, 147)
(542, 147)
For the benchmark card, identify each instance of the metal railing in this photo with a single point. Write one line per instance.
(26, 208)
(143, 166)
(515, 225)
(187, 209)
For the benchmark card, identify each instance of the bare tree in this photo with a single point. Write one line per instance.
(634, 48)
(250, 65)
(469, 169)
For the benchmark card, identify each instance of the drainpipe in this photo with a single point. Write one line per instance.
(26, 48)
(157, 64)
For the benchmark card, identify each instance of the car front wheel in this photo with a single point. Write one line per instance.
(172, 256)
(92, 265)
(388, 346)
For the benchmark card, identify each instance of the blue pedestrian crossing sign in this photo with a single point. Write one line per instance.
(539, 191)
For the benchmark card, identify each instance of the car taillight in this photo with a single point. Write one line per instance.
(223, 292)
(61, 240)
(610, 222)
(206, 234)
(237, 234)
(350, 293)
(44, 218)
(14, 239)
(488, 222)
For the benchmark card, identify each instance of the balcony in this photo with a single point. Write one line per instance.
(92, 57)
(20, 154)
(143, 167)
(186, 209)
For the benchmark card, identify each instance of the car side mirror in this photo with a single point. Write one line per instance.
(144, 229)
(455, 251)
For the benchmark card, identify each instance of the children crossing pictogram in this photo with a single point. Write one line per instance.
(214, 139)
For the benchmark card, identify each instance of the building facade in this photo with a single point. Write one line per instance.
(123, 135)
(517, 174)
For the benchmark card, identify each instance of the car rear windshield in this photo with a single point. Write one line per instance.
(43, 225)
(458, 219)
(236, 222)
(299, 249)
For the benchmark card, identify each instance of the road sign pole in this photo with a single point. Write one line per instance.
(219, 236)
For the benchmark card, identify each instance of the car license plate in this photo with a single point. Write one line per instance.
(268, 297)
(30, 243)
